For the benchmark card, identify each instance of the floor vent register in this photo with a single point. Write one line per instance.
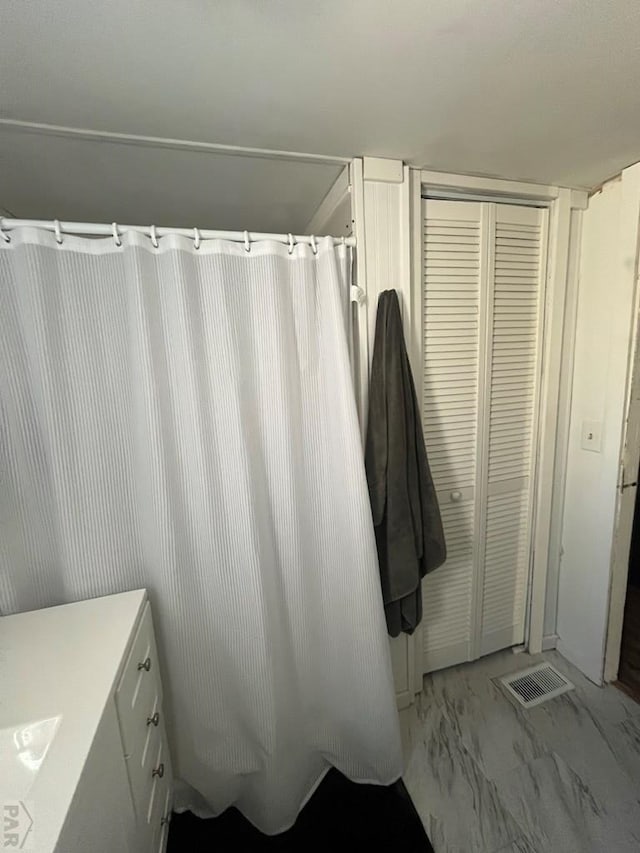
(536, 685)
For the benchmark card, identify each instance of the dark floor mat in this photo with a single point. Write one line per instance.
(341, 815)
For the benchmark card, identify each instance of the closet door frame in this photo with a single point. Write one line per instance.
(554, 389)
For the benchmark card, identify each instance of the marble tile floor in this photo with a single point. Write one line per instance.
(488, 776)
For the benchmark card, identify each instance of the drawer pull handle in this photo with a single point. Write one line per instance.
(158, 771)
(154, 720)
(145, 664)
(456, 496)
(165, 820)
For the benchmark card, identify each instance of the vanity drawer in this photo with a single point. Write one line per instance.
(146, 717)
(139, 687)
(142, 761)
(148, 772)
(160, 781)
(160, 816)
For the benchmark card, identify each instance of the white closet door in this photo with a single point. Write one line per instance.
(517, 240)
(452, 263)
(482, 294)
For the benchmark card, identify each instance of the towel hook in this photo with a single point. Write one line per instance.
(116, 236)
(247, 242)
(196, 238)
(153, 235)
(292, 243)
(314, 245)
(58, 231)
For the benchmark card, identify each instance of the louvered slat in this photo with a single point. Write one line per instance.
(512, 399)
(514, 341)
(450, 417)
(447, 594)
(506, 566)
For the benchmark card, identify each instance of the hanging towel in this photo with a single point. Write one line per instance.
(404, 505)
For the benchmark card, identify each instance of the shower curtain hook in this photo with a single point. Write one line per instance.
(314, 245)
(196, 238)
(58, 231)
(247, 242)
(292, 243)
(152, 234)
(3, 233)
(116, 236)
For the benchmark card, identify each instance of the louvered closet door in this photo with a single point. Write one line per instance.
(517, 240)
(482, 290)
(452, 270)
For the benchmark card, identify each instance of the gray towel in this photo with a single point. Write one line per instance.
(404, 505)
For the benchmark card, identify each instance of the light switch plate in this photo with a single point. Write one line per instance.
(592, 436)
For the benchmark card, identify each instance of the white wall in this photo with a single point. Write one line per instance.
(602, 341)
(373, 201)
(67, 178)
(562, 427)
(334, 215)
(384, 234)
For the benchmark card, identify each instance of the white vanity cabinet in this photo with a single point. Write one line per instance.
(138, 699)
(85, 758)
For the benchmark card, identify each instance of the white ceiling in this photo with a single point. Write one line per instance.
(542, 90)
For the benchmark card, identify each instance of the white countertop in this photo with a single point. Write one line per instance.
(60, 662)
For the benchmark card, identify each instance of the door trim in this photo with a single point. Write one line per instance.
(627, 473)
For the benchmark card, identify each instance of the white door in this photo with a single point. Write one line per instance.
(484, 268)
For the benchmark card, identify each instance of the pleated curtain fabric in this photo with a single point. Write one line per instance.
(184, 420)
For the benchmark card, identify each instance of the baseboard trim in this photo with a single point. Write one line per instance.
(549, 641)
(404, 700)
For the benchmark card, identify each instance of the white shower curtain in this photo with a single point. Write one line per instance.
(183, 420)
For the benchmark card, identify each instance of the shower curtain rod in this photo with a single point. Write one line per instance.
(95, 229)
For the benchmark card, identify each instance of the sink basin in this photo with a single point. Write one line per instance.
(23, 749)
